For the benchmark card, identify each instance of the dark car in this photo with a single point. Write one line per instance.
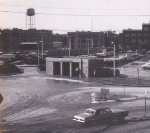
(106, 72)
(100, 114)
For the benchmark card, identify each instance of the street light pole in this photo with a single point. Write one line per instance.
(88, 48)
(114, 59)
(38, 54)
(69, 39)
(69, 45)
(87, 41)
(42, 45)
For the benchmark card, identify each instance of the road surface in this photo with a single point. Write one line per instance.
(36, 103)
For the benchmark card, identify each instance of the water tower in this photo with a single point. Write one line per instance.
(30, 19)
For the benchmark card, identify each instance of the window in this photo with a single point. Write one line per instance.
(139, 40)
(95, 46)
(127, 40)
(90, 111)
(83, 41)
(133, 34)
(146, 28)
(139, 34)
(146, 35)
(146, 40)
(133, 40)
(126, 35)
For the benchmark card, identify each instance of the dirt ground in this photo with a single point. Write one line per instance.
(35, 103)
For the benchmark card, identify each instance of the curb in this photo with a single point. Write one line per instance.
(137, 119)
(119, 100)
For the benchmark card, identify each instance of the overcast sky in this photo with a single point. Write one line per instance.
(70, 15)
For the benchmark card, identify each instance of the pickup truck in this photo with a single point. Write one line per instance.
(101, 114)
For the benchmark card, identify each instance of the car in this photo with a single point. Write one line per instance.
(101, 114)
(147, 52)
(146, 66)
(105, 72)
(101, 54)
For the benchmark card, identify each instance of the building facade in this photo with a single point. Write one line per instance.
(137, 39)
(11, 39)
(73, 66)
(60, 41)
(83, 40)
(146, 36)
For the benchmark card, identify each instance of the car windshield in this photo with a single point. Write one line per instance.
(90, 111)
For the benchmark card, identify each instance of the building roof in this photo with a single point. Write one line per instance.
(133, 30)
(146, 24)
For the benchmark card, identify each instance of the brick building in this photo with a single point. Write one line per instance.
(81, 40)
(11, 39)
(137, 39)
(60, 39)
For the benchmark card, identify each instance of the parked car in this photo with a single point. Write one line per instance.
(101, 54)
(100, 114)
(146, 66)
(147, 52)
(105, 72)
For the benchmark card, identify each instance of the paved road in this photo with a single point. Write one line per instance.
(35, 103)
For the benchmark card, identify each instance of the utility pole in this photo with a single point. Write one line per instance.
(88, 41)
(92, 43)
(114, 59)
(38, 54)
(42, 46)
(69, 39)
(88, 48)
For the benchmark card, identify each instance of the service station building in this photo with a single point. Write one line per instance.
(73, 66)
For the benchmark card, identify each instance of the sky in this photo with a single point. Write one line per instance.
(62, 16)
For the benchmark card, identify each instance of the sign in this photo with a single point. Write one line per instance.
(104, 93)
(95, 97)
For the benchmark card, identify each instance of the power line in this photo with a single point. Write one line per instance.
(37, 6)
(71, 8)
(83, 15)
(6, 11)
(96, 15)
